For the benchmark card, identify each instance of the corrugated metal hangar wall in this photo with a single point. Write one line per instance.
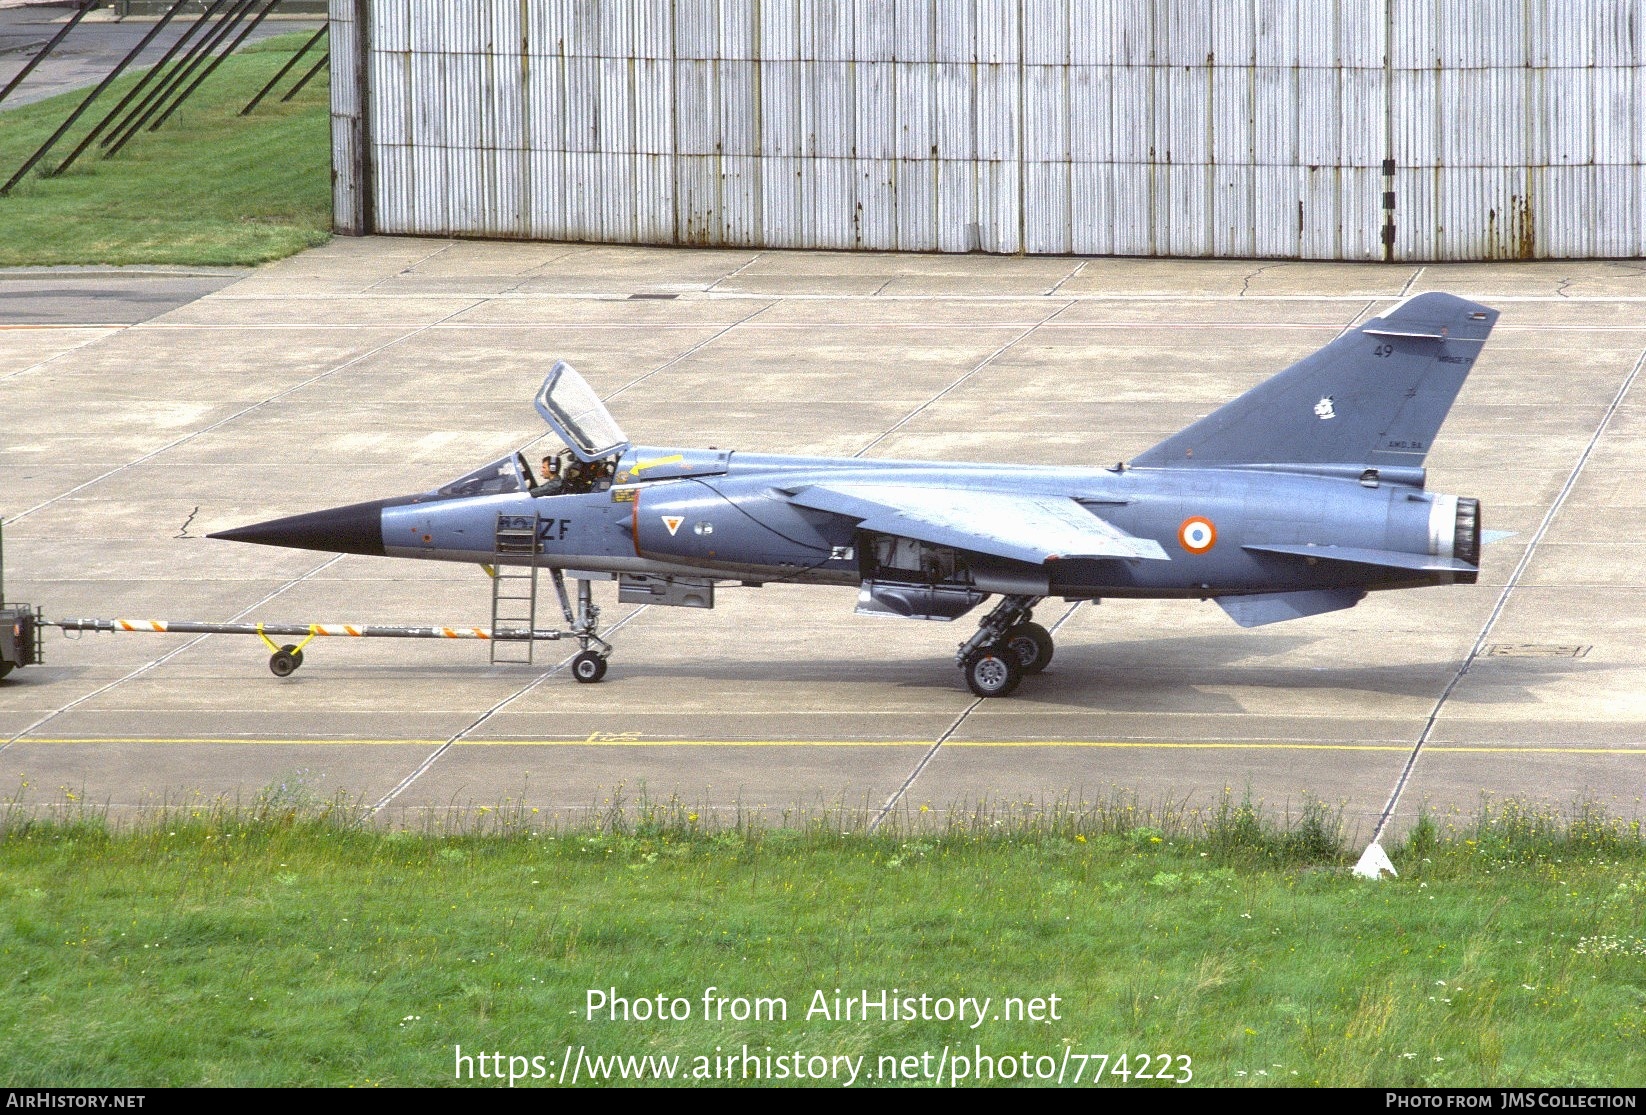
(1306, 129)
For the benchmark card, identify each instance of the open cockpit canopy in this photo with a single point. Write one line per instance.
(569, 404)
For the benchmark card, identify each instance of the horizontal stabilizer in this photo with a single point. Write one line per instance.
(1487, 537)
(1383, 559)
(1028, 528)
(1276, 607)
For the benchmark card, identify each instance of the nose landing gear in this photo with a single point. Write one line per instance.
(1007, 646)
(590, 665)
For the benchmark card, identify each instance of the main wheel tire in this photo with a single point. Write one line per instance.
(282, 663)
(588, 667)
(992, 671)
(1032, 644)
(5, 668)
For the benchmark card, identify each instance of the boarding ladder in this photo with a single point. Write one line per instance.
(514, 589)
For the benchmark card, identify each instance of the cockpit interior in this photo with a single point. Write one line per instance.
(593, 444)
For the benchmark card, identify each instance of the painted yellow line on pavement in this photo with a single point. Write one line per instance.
(228, 739)
(1137, 745)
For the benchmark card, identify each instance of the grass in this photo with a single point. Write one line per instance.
(286, 943)
(211, 187)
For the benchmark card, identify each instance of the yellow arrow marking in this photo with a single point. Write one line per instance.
(655, 461)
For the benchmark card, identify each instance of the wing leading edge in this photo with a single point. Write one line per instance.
(1029, 528)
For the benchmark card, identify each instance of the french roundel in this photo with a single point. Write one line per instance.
(1197, 534)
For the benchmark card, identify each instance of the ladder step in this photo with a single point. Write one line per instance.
(514, 588)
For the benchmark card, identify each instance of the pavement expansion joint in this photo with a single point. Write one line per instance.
(1503, 598)
(474, 725)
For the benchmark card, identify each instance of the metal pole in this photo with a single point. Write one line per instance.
(85, 6)
(284, 70)
(76, 114)
(216, 62)
(318, 66)
(166, 80)
(198, 55)
(311, 630)
(366, 169)
(132, 92)
(1387, 235)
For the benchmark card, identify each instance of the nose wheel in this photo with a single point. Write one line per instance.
(588, 667)
(1006, 647)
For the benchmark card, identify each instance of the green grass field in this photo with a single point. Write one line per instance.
(275, 945)
(210, 187)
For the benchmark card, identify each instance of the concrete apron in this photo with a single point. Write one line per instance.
(378, 366)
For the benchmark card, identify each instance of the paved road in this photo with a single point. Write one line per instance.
(380, 366)
(93, 48)
(64, 296)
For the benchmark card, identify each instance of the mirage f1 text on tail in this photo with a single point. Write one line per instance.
(1297, 498)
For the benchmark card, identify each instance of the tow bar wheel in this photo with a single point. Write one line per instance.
(284, 662)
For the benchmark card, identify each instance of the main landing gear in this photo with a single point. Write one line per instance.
(1006, 647)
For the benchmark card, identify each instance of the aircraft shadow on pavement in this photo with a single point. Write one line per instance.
(1181, 674)
(1139, 675)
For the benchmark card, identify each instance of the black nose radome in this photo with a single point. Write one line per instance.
(355, 529)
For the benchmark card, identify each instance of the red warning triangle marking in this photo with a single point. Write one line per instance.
(673, 523)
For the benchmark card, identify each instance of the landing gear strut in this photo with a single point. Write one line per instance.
(1006, 646)
(590, 665)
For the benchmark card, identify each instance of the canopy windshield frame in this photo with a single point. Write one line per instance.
(570, 406)
(500, 477)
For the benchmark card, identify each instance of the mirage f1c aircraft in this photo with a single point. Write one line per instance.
(1297, 498)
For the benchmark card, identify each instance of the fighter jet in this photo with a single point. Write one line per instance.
(1297, 498)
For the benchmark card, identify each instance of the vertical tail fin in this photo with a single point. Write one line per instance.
(1375, 396)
